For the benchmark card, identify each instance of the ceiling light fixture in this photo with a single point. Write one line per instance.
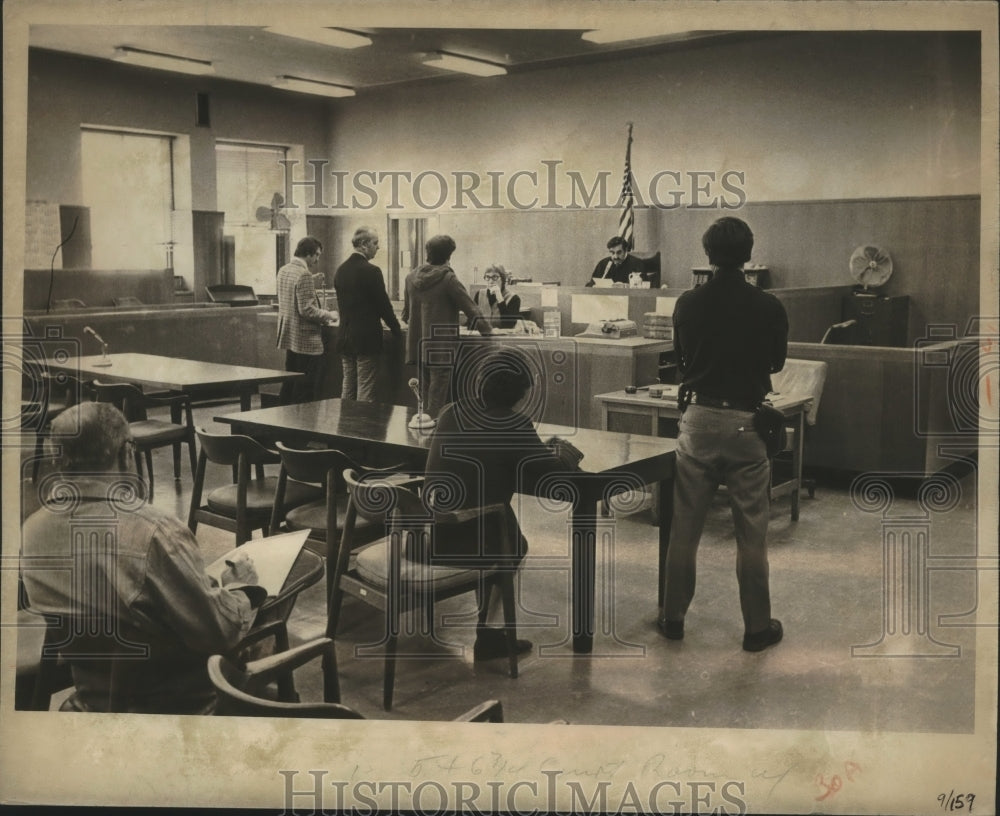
(464, 65)
(337, 37)
(602, 36)
(165, 62)
(312, 86)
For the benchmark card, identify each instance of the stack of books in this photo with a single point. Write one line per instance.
(658, 326)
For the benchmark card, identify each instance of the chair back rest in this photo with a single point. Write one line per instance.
(96, 640)
(802, 378)
(226, 449)
(237, 696)
(125, 397)
(376, 498)
(314, 466)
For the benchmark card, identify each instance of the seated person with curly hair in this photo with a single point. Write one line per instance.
(484, 450)
(504, 306)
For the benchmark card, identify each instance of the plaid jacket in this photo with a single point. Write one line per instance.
(300, 317)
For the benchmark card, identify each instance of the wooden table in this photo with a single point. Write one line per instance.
(613, 462)
(192, 377)
(640, 404)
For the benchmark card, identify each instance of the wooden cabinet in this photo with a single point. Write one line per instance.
(881, 321)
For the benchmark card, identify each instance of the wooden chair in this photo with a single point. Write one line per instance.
(246, 504)
(388, 577)
(45, 396)
(150, 434)
(245, 690)
(48, 645)
(322, 468)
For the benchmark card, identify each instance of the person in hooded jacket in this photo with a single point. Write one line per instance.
(433, 298)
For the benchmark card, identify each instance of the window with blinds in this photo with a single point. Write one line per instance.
(248, 176)
(127, 181)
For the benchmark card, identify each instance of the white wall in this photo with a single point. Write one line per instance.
(805, 116)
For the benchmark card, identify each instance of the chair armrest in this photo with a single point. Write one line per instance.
(163, 398)
(488, 711)
(276, 629)
(267, 667)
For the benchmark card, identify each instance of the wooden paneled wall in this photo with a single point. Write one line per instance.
(934, 244)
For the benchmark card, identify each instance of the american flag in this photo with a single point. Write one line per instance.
(626, 223)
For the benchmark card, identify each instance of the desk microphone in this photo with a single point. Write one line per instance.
(105, 360)
(420, 419)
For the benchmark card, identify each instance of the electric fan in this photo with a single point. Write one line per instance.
(871, 266)
(273, 214)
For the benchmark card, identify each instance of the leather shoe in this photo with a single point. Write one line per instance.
(758, 641)
(672, 630)
(492, 643)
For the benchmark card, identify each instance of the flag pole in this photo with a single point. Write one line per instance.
(626, 222)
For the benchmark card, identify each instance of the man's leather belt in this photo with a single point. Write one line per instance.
(715, 402)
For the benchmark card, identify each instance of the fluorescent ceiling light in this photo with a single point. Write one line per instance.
(464, 65)
(337, 37)
(312, 86)
(602, 36)
(165, 62)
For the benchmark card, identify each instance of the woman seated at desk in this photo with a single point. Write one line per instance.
(504, 306)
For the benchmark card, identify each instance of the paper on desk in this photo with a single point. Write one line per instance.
(272, 558)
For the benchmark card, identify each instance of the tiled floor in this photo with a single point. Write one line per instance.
(828, 588)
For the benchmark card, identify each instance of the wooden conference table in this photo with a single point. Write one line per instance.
(192, 377)
(652, 409)
(377, 433)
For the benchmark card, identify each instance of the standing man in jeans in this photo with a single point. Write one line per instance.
(301, 318)
(363, 305)
(729, 337)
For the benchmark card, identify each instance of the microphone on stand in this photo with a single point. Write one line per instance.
(420, 419)
(105, 360)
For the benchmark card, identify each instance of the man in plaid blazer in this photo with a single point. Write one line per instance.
(301, 318)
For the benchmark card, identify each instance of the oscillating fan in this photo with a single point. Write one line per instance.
(273, 214)
(871, 266)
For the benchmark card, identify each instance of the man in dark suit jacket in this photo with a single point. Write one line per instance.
(363, 304)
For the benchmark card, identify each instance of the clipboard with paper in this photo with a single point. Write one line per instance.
(272, 559)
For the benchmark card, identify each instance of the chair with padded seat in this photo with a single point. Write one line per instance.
(246, 690)
(323, 468)
(147, 433)
(247, 503)
(397, 574)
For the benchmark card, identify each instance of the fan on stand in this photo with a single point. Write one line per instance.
(871, 266)
(279, 223)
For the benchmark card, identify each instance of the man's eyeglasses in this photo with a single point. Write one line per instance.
(491, 277)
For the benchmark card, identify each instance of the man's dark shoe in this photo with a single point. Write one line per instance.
(759, 641)
(672, 630)
(492, 643)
